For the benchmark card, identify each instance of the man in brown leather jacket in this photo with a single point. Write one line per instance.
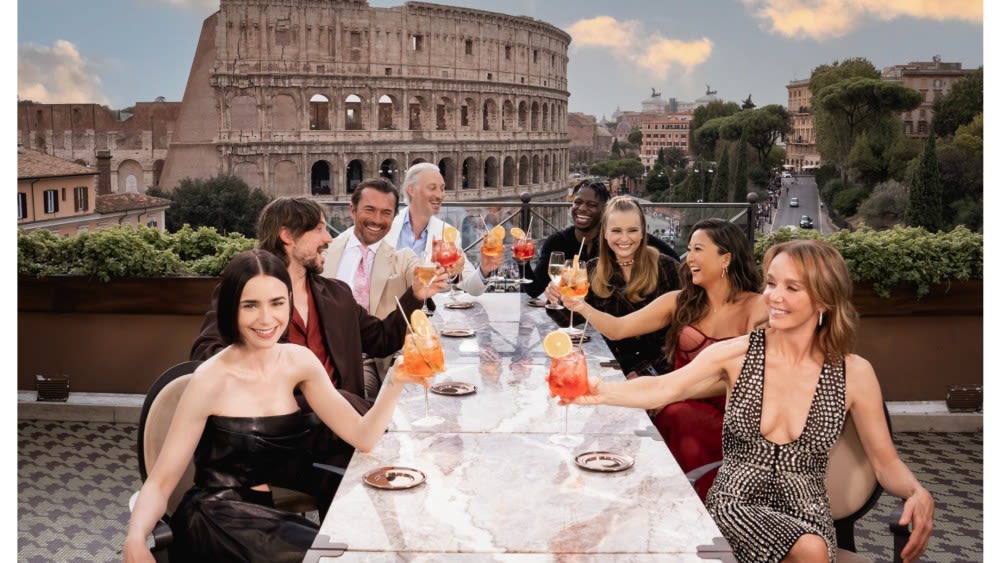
(325, 317)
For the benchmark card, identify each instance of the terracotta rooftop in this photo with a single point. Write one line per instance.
(34, 164)
(114, 203)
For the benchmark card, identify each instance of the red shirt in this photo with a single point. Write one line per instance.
(311, 336)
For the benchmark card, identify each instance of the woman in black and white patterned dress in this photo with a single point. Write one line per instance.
(789, 389)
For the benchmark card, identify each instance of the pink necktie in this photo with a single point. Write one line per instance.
(361, 278)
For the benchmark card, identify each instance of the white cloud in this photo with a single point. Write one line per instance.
(57, 75)
(650, 54)
(829, 19)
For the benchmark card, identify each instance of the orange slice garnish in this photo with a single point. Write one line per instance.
(557, 344)
(420, 323)
(498, 232)
(450, 234)
(517, 233)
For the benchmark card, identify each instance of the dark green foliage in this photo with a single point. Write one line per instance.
(846, 201)
(721, 181)
(885, 206)
(127, 251)
(960, 105)
(223, 202)
(897, 258)
(925, 208)
(740, 175)
(703, 146)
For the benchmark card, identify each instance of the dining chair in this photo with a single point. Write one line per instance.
(154, 421)
(854, 490)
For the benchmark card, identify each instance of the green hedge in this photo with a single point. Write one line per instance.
(127, 251)
(898, 258)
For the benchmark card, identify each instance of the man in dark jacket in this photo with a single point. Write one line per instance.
(324, 317)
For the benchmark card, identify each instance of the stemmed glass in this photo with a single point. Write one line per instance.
(425, 272)
(567, 380)
(556, 262)
(493, 246)
(524, 251)
(423, 357)
(445, 254)
(573, 283)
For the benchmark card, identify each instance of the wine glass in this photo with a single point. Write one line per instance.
(524, 251)
(567, 380)
(423, 357)
(573, 283)
(425, 272)
(556, 262)
(445, 254)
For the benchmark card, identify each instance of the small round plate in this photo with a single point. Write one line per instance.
(460, 305)
(458, 332)
(454, 388)
(604, 462)
(538, 302)
(394, 478)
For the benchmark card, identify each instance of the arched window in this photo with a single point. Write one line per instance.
(319, 112)
(353, 120)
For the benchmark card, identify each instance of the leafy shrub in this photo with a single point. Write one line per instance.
(885, 206)
(846, 201)
(901, 257)
(128, 251)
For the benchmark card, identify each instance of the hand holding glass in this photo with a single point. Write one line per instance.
(524, 251)
(573, 284)
(556, 262)
(567, 380)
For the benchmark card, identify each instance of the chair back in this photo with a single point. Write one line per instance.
(154, 421)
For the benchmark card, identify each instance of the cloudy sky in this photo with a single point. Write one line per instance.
(117, 52)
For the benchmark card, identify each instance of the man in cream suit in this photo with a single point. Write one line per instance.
(387, 274)
(417, 224)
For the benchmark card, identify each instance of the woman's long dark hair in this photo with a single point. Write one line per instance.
(692, 301)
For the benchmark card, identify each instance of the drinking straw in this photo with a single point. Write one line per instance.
(402, 312)
(530, 219)
(580, 252)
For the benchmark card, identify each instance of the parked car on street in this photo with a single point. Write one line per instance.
(806, 222)
(786, 174)
(794, 202)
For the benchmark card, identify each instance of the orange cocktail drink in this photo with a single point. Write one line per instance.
(422, 355)
(573, 281)
(425, 273)
(567, 377)
(493, 241)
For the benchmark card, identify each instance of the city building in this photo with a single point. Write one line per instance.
(932, 79)
(801, 153)
(668, 131)
(589, 141)
(69, 198)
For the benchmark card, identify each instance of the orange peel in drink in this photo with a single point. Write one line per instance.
(450, 234)
(557, 344)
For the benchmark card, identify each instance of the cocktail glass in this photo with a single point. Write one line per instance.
(492, 246)
(567, 380)
(423, 357)
(524, 251)
(573, 283)
(425, 272)
(446, 255)
(556, 262)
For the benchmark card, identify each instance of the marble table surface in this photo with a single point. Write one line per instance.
(497, 488)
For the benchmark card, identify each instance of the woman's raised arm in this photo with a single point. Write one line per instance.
(650, 318)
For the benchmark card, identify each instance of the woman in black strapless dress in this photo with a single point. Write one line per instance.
(239, 420)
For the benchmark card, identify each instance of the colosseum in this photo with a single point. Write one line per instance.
(312, 96)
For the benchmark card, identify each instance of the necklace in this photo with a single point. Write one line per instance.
(625, 263)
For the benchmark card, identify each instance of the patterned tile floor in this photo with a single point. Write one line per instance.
(75, 478)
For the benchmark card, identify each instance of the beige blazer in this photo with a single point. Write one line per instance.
(392, 273)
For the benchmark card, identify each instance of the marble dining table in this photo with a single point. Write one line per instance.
(493, 484)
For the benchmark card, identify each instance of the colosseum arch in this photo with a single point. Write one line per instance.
(284, 115)
(243, 113)
(534, 116)
(489, 115)
(447, 167)
(387, 112)
(467, 114)
(491, 173)
(130, 177)
(546, 170)
(354, 113)
(249, 173)
(286, 179)
(522, 116)
(389, 169)
(522, 171)
(545, 117)
(417, 111)
(319, 112)
(509, 171)
(355, 174)
(507, 116)
(319, 181)
(470, 174)
(444, 114)
(536, 172)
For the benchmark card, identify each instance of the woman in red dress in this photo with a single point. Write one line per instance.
(719, 299)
